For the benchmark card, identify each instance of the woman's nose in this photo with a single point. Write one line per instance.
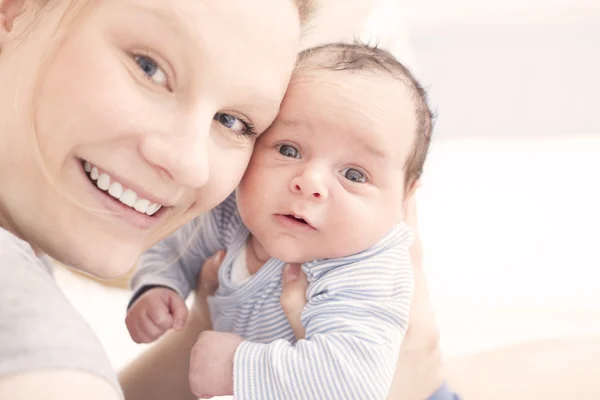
(181, 156)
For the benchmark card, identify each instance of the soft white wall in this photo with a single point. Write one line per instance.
(502, 68)
(372, 21)
(509, 68)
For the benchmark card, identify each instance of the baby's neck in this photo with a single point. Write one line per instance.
(256, 255)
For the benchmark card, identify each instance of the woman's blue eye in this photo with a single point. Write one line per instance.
(234, 123)
(151, 69)
(289, 151)
(354, 175)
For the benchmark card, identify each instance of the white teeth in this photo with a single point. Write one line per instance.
(115, 190)
(153, 209)
(141, 205)
(103, 182)
(128, 197)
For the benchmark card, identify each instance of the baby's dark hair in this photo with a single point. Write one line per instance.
(363, 57)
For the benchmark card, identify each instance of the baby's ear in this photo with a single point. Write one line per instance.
(409, 196)
(412, 188)
(9, 11)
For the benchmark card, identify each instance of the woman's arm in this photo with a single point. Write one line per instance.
(56, 385)
(419, 370)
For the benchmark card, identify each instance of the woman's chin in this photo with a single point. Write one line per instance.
(107, 264)
(107, 272)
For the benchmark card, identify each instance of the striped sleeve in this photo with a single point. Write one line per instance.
(176, 261)
(355, 320)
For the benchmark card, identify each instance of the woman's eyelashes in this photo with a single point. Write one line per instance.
(159, 75)
(237, 125)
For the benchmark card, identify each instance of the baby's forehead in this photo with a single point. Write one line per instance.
(370, 68)
(318, 75)
(366, 107)
(344, 87)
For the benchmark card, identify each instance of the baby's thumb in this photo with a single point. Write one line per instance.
(179, 311)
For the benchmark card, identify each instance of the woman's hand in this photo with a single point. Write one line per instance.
(207, 284)
(213, 352)
(293, 297)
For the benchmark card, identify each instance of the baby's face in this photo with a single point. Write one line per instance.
(326, 180)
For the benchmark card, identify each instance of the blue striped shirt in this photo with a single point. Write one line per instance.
(355, 317)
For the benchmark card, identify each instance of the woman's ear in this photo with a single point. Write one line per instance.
(9, 11)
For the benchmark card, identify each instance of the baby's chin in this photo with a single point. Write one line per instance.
(291, 254)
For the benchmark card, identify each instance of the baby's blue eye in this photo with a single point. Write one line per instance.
(151, 69)
(354, 175)
(289, 151)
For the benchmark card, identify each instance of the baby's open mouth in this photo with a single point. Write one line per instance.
(297, 219)
(301, 220)
(117, 191)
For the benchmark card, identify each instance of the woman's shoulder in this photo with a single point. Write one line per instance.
(39, 328)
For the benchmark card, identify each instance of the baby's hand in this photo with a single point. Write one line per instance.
(154, 313)
(211, 364)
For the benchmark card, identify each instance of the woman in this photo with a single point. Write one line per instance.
(154, 97)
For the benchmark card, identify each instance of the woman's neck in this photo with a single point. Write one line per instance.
(6, 225)
(256, 255)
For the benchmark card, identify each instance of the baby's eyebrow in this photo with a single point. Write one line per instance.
(371, 149)
(296, 123)
(361, 140)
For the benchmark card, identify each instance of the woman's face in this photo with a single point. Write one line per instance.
(146, 103)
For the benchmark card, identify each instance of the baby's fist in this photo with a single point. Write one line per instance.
(211, 364)
(154, 313)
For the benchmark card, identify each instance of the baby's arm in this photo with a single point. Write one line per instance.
(353, 337)
(355, 320)
(176, 261)
(168, 272)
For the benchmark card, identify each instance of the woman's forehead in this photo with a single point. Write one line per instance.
(253, 17)
(237, 45)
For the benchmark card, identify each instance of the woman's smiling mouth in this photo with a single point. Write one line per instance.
(128, 197)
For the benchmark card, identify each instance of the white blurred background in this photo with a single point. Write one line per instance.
(509, 211)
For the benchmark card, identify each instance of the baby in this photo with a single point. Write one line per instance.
(325, 187)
